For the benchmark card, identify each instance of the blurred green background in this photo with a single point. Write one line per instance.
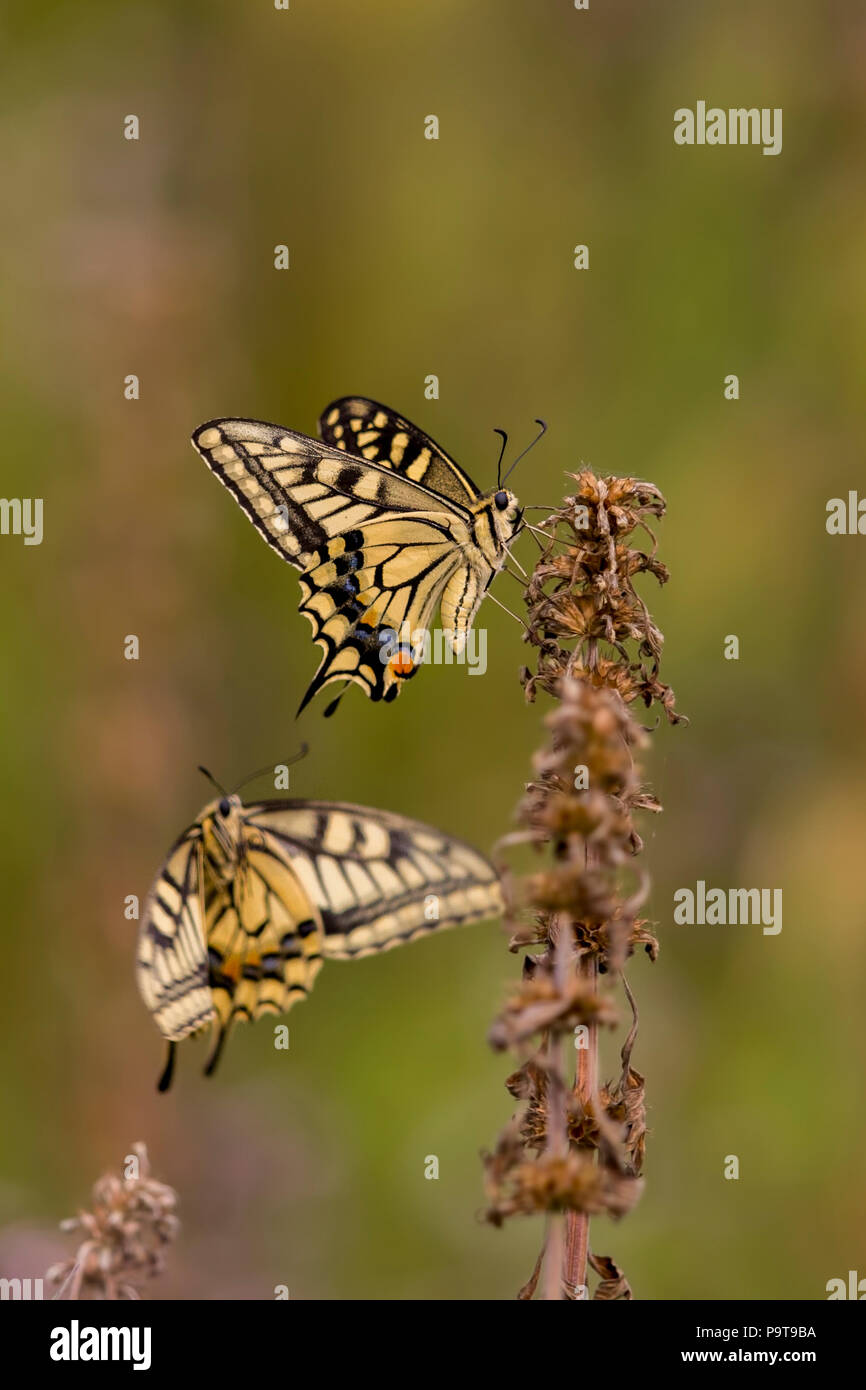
(411, 257)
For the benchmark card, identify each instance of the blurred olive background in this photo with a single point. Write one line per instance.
(411, 257)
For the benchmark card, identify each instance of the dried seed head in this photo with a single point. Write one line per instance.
(550, 1183)
(583, 610)
(125, 1234)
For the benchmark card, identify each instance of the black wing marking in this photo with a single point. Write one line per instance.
(375, 432)
(171, 962)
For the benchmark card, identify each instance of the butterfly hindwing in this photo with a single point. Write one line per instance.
(369, 592)
(263, 939)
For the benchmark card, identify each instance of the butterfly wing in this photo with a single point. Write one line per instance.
(377, 549)
(372, 594)
(375, 432)
(171, 962)
(299, 493)
(263, 935)
(376, 879)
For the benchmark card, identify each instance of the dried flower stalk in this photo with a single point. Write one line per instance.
(126, 1233)
(575, 1151)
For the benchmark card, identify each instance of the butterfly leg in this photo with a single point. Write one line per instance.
(216, 1050)
(168, 1070)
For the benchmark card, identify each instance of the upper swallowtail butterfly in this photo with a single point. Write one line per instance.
(383, 525)
(252, 898)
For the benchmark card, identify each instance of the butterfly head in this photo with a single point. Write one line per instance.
(507, 514)
(221, 830)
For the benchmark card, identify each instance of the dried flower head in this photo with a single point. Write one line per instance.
(583, 609)
(130, 1224)
(540, 1003)
(572, 1182)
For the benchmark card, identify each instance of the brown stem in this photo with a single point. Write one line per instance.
(553, 1256)
(586, 1090)
(557, 1136)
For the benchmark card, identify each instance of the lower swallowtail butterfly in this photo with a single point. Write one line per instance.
(253, 898)
(384, 527)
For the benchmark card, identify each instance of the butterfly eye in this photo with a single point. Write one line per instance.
(225, 807)
(501, 500)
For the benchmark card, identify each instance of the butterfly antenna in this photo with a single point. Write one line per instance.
(504, 437)
(542, 431)
(168, 1070)
(269, 767)
(210, 777)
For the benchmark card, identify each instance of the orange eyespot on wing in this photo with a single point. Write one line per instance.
(402, 664)
(370, 585)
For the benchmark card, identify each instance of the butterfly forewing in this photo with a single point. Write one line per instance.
(300, 493)
(376, 878)
(375, 432)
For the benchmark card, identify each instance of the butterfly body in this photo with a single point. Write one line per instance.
(384, 527)
(252, 899)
